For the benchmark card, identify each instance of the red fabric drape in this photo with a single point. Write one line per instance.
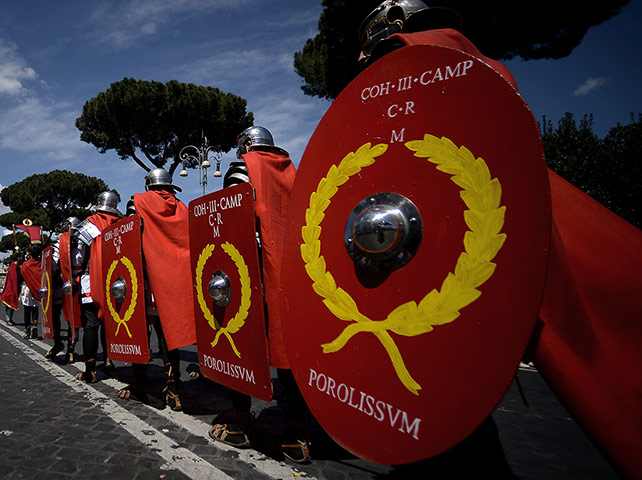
(10, 292)
(101, 220)
(590, 346)
(65, 270)
(272, 175)
(165, 225)
(30, 270)
(63, 250)
(33, 231)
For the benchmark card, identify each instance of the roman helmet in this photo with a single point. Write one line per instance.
(107, 202)
(396, 16)
(72, 222)
(159, 177)
(260, 138)
(131, 207)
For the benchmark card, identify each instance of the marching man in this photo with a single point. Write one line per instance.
(85, 251)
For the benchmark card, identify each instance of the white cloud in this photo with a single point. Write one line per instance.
(13, 70)
(291, 121)
(31, 126)
(294, 19)
(229, 69)
(3, 208)
(122, 24)
(590, 85)
(38, 134)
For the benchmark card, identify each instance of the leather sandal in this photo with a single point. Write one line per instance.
(194, 371)
(69, 355)
(297, 452)
(172, 400)
(87, 377)
(229, 434)
(55, 350)
(135, 394)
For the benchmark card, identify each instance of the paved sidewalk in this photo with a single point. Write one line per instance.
(54, 427)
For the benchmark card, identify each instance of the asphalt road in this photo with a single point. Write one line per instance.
(54, 427)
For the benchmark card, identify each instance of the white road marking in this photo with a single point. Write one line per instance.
(263, 464)
(177, 457)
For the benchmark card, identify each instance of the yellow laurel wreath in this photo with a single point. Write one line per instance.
(484, 218)
(235, 324)
(132, 305)
(45, 307)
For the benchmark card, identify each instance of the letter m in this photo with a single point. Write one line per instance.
(397, 137)
(450, 73)
(412, 429)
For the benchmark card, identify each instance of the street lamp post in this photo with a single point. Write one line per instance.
(201, 157)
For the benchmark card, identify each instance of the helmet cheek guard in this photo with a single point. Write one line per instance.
(395, 16)
(379, 25)
(241, 149)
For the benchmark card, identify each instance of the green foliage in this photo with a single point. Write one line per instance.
(570, 150)
(47, 199)
(158, 119)
(328, 62)
(551, 29)
(608, 169)
(8, 242)
(623, 149)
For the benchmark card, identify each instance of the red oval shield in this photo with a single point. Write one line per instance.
(230, 329)
(46, 301)
(123, 282)
(403, 360)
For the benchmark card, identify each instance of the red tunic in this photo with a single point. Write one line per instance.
(272, 175)
(101, 220)
(9, 294)
(30, 270)
(165, 225)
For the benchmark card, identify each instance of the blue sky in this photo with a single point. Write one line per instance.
(54, 56)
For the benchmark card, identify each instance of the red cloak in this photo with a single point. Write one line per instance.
(589, 348)
(31, 271)
(65, 266)
(9, 294)
(101, 220)
(272, 176)
(165, 225)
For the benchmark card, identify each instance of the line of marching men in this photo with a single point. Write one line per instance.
(165, 245)
(586, 344)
